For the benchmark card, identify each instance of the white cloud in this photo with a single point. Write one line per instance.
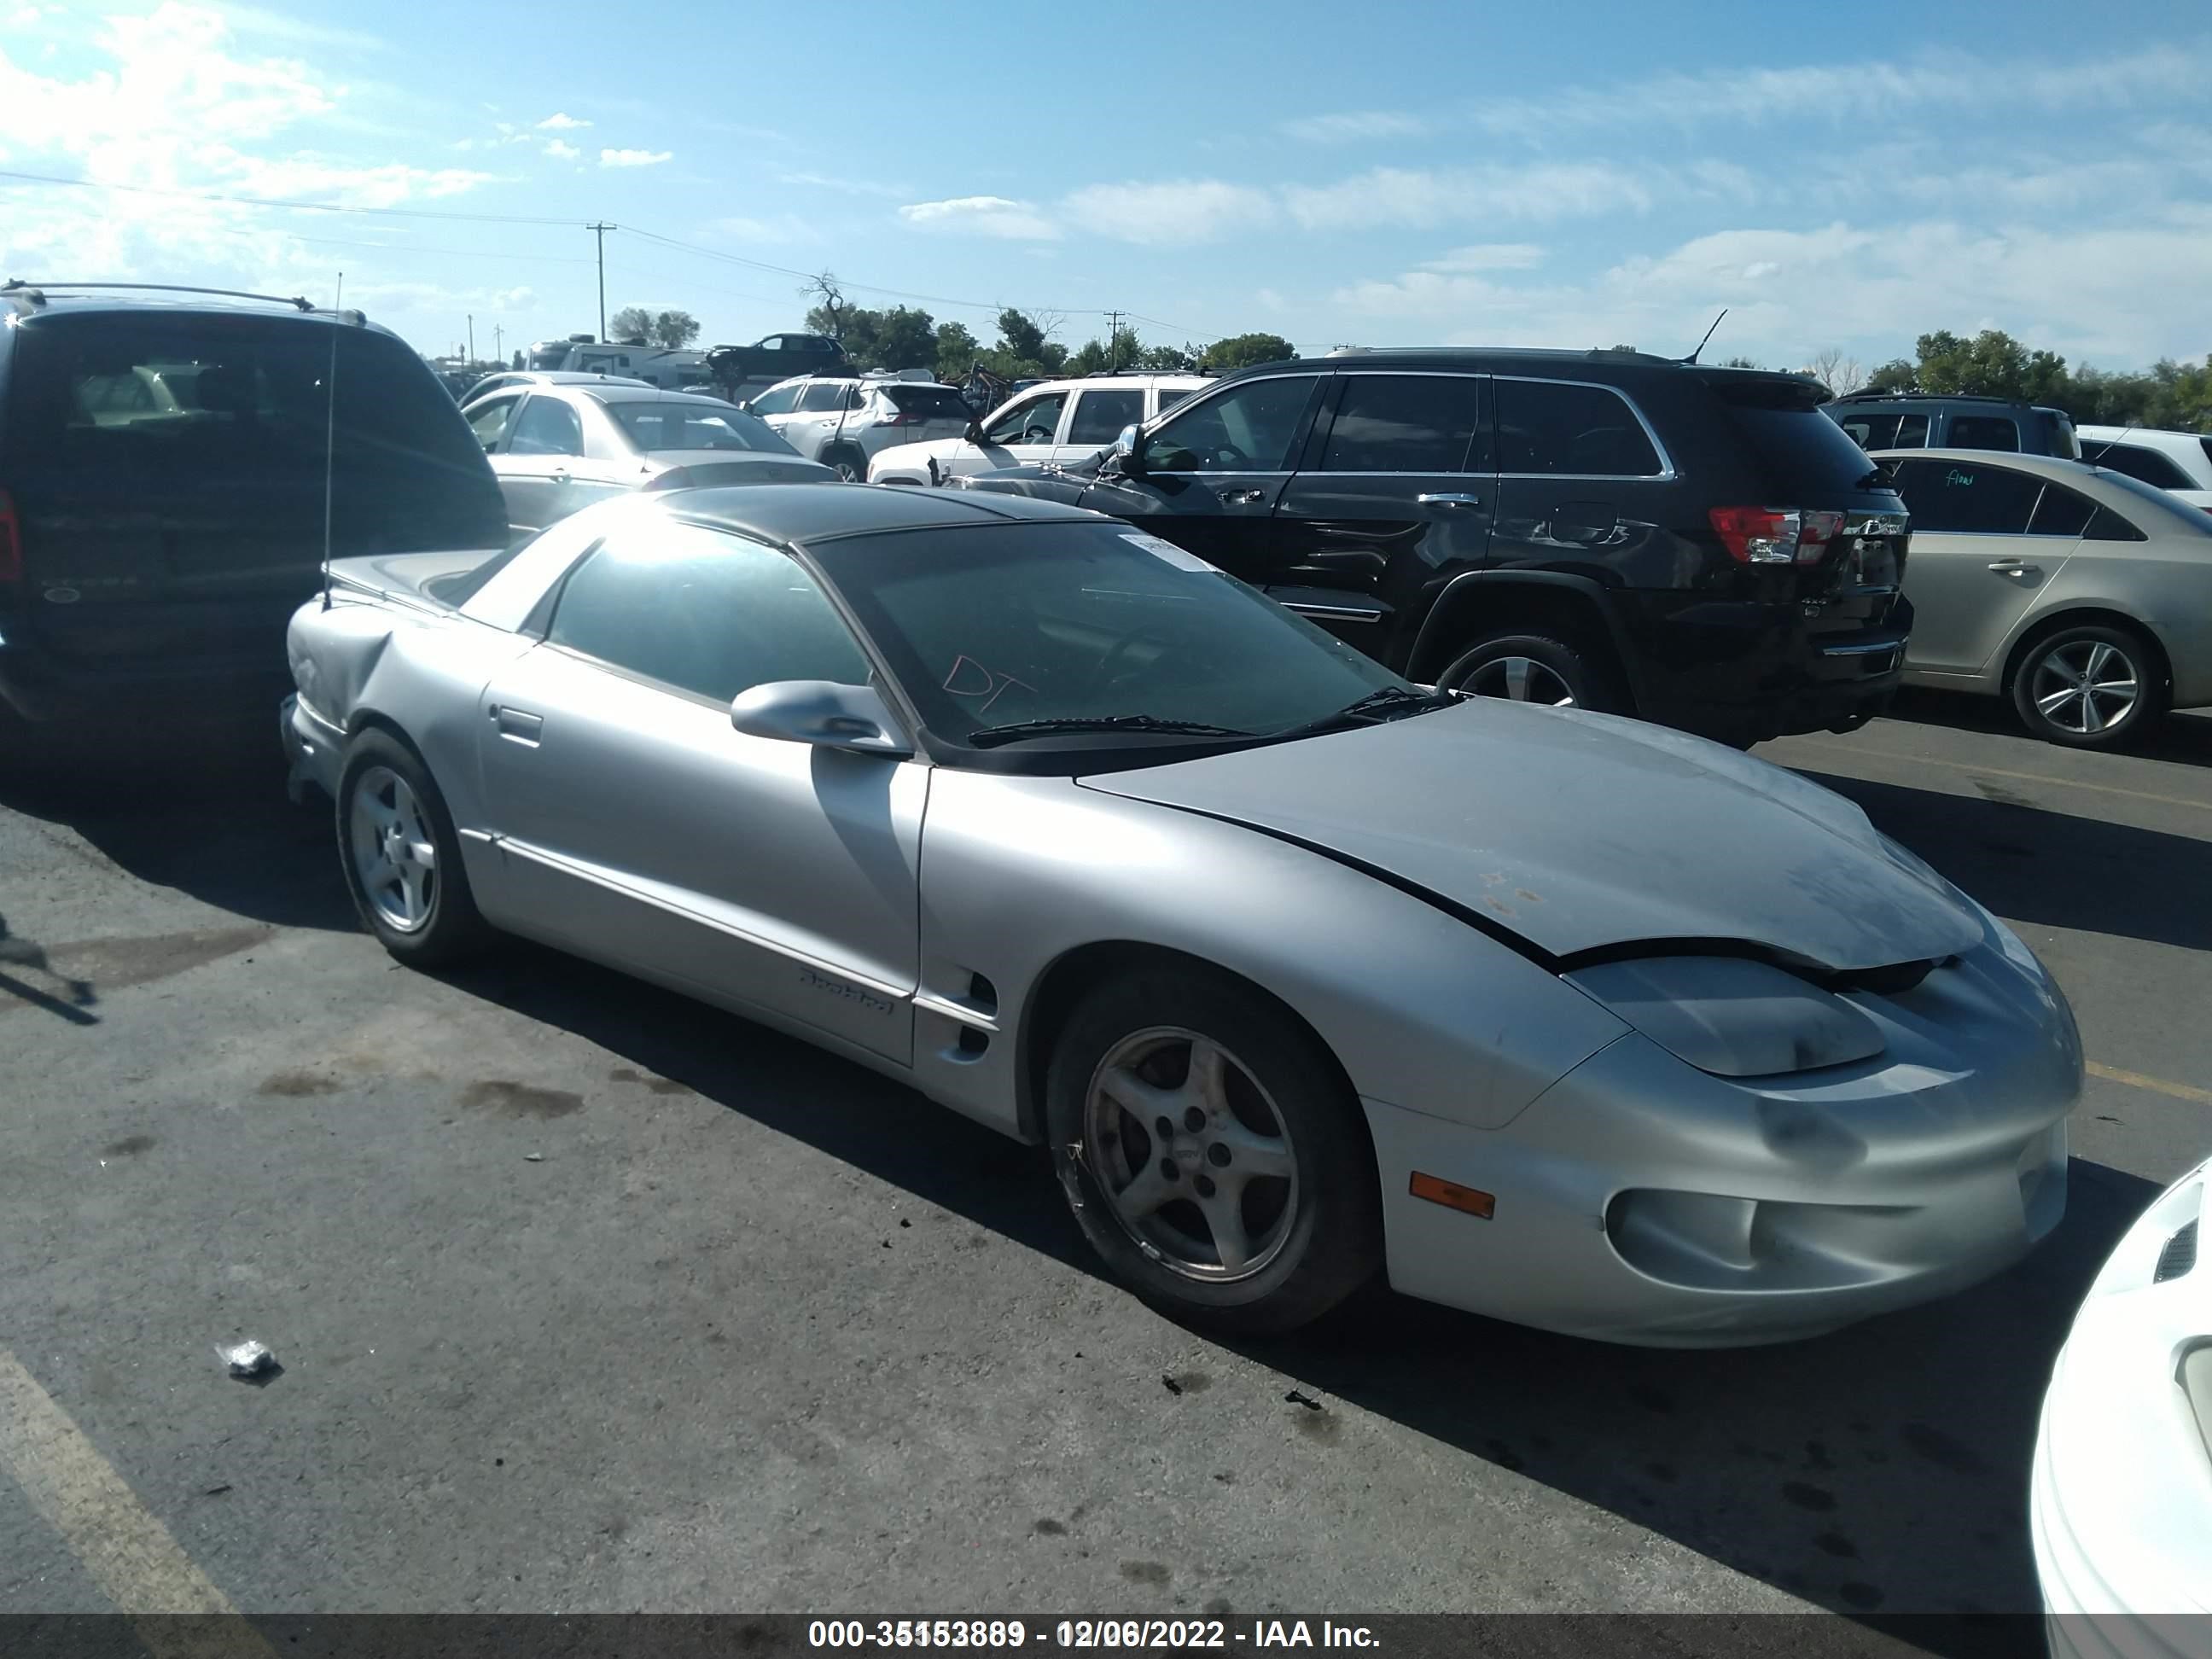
(1400, 196)
(560, 121)
(1171, 212)
(1355, 126)
(982, 215)
(561, 151)
(634, 158)
(1487, 256)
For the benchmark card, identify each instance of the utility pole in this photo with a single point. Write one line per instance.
(472, 337)
(600, 231)
(498, 342)
(1113, 341)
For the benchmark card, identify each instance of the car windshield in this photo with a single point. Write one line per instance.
(655, 427)
(1016, 625)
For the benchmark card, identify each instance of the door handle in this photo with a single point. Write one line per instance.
(2013, 568)
(1448, 498)
(560, 475)
(1239, 497)
(519, 724)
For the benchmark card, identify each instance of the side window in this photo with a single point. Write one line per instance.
(547, 427)
(777, 400)
(2109, 526)
(774, 343)
(1100, 416)
(1552, 427)
(2061, 512)
(1024, 422)
(490, 422)
(2138, 462)
(1407, 423)
(822, 396)
(703, 612)
(1984, 432)
(1248, 427)
(1965, 499)
(1873, 431)
(1911, 433)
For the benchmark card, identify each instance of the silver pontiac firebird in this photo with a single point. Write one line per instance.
(1300, 970)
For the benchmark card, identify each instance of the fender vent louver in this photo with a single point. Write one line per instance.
(2179, 1256)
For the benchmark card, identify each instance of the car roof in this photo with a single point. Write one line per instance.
(30, 303)
(643, 392)
(1871, 399)
(1508, 360)
(2165, 437)
(787, 514)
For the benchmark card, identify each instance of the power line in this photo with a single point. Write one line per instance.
(598, 229)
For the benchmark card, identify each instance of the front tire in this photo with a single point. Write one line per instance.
(1212, 1153)
(1530, 666)
(2089, 687)
(401, 856)
(850, 465)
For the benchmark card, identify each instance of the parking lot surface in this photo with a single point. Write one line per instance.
(588, 1297)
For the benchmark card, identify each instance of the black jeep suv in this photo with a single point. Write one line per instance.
(1700, 547)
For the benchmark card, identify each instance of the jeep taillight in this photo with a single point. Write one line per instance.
(1775, 535)
(11, 542)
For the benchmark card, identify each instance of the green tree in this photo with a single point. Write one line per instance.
(905, 337)
(1166, 359)
(1243, 350)
(631, 326)
(1895, 375)
(674, 329)
(957, 351)
(1122, 349)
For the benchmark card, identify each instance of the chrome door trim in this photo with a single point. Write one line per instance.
(926, 1002)
(599, 878)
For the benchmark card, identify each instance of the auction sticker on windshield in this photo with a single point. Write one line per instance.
(1168, 551)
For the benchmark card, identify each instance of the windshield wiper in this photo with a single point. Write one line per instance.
(1375, 707)
(992, 736)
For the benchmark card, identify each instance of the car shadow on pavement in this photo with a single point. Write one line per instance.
(1879, 1470)
(209, 819)
(2031, 865)
(2185, 738)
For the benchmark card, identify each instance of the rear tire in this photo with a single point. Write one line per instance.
(1210, 1152)
(851, 466)
(2092, 686)
(1532, 666)
(401, 856)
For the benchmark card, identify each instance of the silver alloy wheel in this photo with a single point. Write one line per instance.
(2087, 686)
(1192, 1153)
(394, 854)
(1520, 679)
(847, 473)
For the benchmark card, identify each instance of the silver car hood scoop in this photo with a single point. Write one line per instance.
(1577, 832)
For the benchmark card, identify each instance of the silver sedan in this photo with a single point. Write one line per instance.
(1303, 973)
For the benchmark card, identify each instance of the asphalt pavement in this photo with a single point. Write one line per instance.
(587, 1297)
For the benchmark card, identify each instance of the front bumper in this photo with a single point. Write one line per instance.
(2120, 1500)
(1640, 1201)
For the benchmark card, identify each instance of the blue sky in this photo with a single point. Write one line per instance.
(1843, 176)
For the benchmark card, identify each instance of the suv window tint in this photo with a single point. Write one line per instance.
(546, 427)
(704, 612)
(1554, 427)
(1984, 432)
(1801, 455)
(1878, 431)
(1911, 433)
(1100, 416)
(1248, 428)
(1022, 422)
(820, 395)
(2058, 435)
(2138, 462)
(228, 448)
(1967, 499)
(1405, 423)
(928, 403)
(2061, 512)
(489, 422)
(778, 400)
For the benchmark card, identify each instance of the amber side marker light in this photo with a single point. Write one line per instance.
(1452, 1195)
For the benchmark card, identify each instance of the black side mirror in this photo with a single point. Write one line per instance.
(974, 432)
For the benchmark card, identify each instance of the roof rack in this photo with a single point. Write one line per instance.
(35, 293)
(1943, 397)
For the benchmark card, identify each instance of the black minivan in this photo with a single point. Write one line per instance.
(1697, 546)
(169, 471)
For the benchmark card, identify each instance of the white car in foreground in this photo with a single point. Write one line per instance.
(1053, 420)
(2120, 1506)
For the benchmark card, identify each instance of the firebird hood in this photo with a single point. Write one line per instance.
(1577, 832)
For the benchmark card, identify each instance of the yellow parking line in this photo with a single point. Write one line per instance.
(128, 1553)
(2157, 1084)
(1975, 767)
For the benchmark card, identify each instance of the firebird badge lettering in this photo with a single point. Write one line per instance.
(835, 988)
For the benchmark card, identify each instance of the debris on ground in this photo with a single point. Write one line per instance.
(903, 1222)
(214, 1491)
(1297, 1398)
(1170, 1385)
(249, 1361)
(533, 1158)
